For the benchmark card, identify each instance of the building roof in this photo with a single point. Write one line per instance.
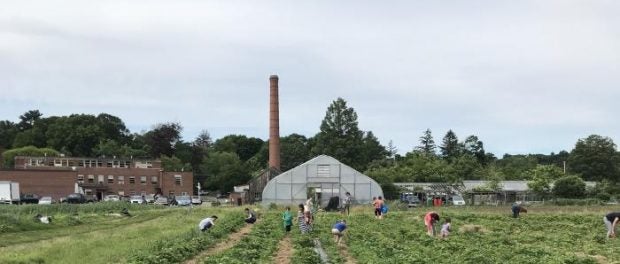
(507, 186)
(469, 185)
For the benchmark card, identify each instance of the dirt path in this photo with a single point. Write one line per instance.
(344, 251)
(285, 251)
(224, 245)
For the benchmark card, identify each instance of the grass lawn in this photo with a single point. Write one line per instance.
(100, 239)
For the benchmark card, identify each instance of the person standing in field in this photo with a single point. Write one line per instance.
(445, 228)
(611, 221)
(378, 203)
(207, 223)
(430, 220)
(338, 230)
(287, 217)
(301, 219)
(347, 203)
(309, 218)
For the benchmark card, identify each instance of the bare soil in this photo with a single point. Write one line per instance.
(344, 251)
(285, 251)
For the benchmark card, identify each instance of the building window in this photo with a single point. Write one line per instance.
(154, 179)
(121, 179)
(177, 180)
(132, 180)
(100, 179)
(143, 164)
(121, 193)
(322, 171)
(80, 179)
(109, 164)
(91, 178)
(110, 179)
(88, 191)
(142, 179)
(171, 193)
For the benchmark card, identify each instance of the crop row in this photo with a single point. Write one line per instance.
(258, 246)
(189, 243)
(481, 238)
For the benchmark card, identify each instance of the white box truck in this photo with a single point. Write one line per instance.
(9, 192)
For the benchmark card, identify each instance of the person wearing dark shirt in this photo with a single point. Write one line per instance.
(338, 230)
(517, 208)
(251, 216)
(611, 221)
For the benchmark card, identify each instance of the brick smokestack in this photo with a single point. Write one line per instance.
(274, 123)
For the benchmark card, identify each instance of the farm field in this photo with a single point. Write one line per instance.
(546, 234)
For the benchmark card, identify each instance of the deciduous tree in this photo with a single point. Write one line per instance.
(595, 158)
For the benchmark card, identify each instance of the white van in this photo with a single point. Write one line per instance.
(458, 200)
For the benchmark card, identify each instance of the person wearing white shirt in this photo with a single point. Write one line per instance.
(207, 223)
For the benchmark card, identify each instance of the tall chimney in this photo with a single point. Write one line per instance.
(274, 123)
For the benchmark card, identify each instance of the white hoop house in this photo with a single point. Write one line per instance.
(321, 178)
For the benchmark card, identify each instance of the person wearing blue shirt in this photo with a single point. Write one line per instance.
(338, 230)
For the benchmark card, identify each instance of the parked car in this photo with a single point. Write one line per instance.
(29, 199)
(75, 198)
(184, 200)
(150, 198)
(458, 200)
(223, 198)
(111, 198)
(137, 199)
(91, 198)
(162, 200)
(196, 200)
(46, 200)
(413, 201)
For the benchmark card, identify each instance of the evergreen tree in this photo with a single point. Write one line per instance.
(450, 146)
(341, 138)
(427, 144)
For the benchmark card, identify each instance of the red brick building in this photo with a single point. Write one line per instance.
(59, 176)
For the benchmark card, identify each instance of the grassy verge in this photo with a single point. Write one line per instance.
(18, 218)
(107, 245)
(65, 225)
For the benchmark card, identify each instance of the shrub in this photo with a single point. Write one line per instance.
(569, 187)
(603, 196)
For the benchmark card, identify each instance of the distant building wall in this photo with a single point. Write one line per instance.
(52, 183)
(58, 176)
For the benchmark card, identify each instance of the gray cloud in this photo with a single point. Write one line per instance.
(527, 76)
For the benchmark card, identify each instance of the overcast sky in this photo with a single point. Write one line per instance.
(524, 76)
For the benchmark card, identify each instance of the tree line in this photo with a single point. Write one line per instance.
(234, 159)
